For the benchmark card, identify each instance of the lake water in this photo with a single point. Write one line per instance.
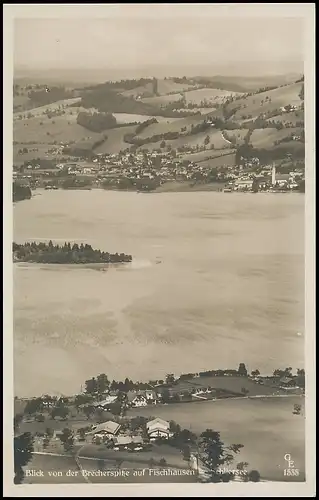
(216, 279)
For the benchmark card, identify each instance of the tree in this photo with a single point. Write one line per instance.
(297, 409)
(166, 396)
(255, 373)
(163, 144)
(215, 454)
(82, 399)
(162, 462)
(49, 432)
(242, 370)
(67, 439)
(23, 449)
(186, 453)
(174, 427)
(88, 411)
(82, 432)
(255, 186)
(17, 421)
(91, 385)
(170, 379)
(254, 476)
(207, 140)
(102, 383)
(33, 406)
(60, 411)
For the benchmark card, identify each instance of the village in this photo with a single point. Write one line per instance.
(152, 170)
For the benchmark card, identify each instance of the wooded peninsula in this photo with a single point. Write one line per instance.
(48, 253)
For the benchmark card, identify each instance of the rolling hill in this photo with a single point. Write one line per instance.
(264, 102)
(213, 95)
(266, 138)
(234, 118)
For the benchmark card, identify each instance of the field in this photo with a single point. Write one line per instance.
(238, 134)
(176, 126)
(205, 155)
(266, 427)
(38, 111)
(266, 137)
(221, 161)
(233, 384)
(115, 143)
(257, 104)
(162, 99)
(214, 95)
(131, 118)
(292, 118)
(41, 129)
(248, 84)
(34, 151)
(215, 136)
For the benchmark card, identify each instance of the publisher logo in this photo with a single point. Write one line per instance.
(290, 470)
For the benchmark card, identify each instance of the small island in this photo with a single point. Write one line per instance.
(48, 253)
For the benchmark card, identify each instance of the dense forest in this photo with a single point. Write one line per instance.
(48, 253)
(20, 193)
(96, 122)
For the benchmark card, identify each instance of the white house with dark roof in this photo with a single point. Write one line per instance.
(158, 428)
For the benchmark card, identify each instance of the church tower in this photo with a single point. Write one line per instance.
(273, 175)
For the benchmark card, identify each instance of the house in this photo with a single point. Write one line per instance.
(158, 428)
(244, 184)
(136, 399)
(141, 398)
(124, 442)
(108, 429)
(151, 396)
(282, 179)
(287, 382)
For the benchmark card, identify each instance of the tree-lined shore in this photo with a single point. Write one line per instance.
(48, 253)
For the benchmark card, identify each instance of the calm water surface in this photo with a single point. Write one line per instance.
(217, 279)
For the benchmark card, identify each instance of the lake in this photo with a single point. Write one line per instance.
(216, 279)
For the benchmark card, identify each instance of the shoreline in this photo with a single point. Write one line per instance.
(170, 187)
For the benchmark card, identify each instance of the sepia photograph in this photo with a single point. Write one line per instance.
(160, 268)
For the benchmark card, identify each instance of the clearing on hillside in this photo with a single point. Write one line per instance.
(131, 118)
(176, 126)
(162, 99)
(291, 118)
(215, 138)
(266, 137)
(44, 130)
(236, 137)
(212, 95)
(115, 140)
(38, 111)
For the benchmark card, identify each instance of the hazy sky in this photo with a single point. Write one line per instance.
(134, 42)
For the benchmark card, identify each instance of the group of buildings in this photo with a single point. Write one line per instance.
(115, 436)
(153, 168)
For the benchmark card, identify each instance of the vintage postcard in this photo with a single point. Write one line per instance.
(159, 250)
